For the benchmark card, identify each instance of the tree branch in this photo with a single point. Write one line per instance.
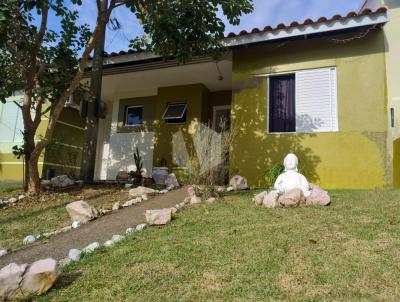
(64, 96)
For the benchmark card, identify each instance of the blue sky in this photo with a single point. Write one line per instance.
(266, 12)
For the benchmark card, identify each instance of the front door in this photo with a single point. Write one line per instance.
(221, 118)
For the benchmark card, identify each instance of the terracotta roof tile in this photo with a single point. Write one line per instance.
(308, 21)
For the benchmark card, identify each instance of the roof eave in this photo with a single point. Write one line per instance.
(304, 30)
(271, 35)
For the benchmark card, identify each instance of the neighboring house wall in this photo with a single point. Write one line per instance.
(64, 153)
(392, 45)
(354, 157)
(11, 127)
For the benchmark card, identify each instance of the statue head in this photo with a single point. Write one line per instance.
(290, 162)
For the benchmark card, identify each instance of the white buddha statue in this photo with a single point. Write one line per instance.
(292, 179)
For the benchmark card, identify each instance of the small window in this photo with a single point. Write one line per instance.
(282, 114)
(175, 113)
(134, 116)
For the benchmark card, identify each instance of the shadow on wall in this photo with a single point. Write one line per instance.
(254, 151)
(121, 152)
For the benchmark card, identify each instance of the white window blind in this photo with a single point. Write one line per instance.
(11, 123)
(316, 100)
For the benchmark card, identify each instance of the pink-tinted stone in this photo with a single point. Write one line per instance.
(158, 217)
(40, 276)
(292, 198)
(10, 279)
(318, 196)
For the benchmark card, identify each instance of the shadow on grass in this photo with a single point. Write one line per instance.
(66, 279)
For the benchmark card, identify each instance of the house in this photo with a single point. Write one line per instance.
(324, 89)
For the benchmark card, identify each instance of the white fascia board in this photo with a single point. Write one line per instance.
(140, 56)
(303, 30)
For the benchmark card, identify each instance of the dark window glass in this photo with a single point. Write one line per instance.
(175, 113)
(134, 116)
(282, 113)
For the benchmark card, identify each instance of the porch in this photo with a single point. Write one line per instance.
(155, 107)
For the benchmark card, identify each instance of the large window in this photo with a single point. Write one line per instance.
(175, 113)
(304, 101)
(134, 116)
(11, 123)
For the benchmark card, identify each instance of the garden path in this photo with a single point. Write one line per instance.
(99, 230)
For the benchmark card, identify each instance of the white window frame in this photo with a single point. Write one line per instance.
(174, 118)
(126, 116)
(335, 97)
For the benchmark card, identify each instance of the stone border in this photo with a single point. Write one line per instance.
(30, 239)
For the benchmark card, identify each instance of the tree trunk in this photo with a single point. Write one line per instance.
(34, 180)
(92, 121)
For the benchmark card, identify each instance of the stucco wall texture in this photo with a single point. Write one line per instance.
(354, 157)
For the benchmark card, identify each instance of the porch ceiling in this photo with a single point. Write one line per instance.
(154, 76)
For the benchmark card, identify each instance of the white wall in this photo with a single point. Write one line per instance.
(115, 151)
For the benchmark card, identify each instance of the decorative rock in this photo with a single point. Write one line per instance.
(64, 262)
(139, 191)
(164, 191)
(10, 279)
(293, 198)
(158, 217)
(74, 254)
(182, 204)
(318, 197)
(116, 206)
(91, 248)
(12, 200)
(76, 224)
(127, 186)
(109, 243)
(3, 253)
(130, 230)
(238, 183)
(195, 200)
(259, 198)
(21, 197)
(145, 197)
(270, 200)
(211, 200)
(62, 181)
(29, 239)
(40, 276)
(117, 238)
(81, 211)
(229, 189)
(122, 176)
(220, 189)
(64, 229)
(169, 188)
(2, 203)
(171, 180)
(141, 227)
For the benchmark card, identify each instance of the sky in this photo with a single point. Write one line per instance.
(266, 12)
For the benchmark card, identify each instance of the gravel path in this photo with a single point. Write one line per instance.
(99, 230)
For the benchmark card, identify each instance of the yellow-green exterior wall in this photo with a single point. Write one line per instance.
(64, 154)
(354, 157)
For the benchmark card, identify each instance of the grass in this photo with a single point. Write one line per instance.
(6, 188)
(234, 251)
(47, 212)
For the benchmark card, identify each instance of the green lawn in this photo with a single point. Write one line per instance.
(234, 251)
(47, 212)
